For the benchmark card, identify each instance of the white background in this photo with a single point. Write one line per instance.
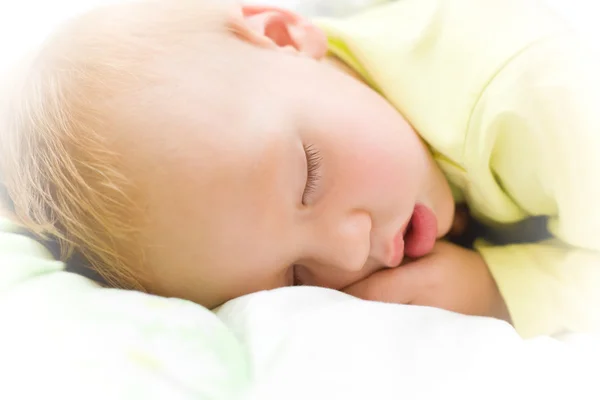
(24, 23)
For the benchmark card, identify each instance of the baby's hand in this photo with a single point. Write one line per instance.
(451, 277)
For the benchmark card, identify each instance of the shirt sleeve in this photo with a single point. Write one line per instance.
(549, 289)
(538, 122)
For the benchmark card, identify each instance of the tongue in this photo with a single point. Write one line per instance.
(422, 233)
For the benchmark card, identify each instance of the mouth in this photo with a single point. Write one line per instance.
(422, 232)
(417, 238)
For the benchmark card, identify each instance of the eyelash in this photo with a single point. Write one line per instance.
(313, 163)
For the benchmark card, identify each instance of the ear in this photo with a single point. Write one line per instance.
(280, 29)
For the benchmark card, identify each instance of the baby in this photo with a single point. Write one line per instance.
(206, 150)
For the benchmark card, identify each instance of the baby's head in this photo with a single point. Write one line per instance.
(204, 150)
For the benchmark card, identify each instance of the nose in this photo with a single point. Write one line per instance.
(343, 241)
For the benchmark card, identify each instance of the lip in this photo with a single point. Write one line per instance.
(398, 246)
(422, 235)
(416, 238)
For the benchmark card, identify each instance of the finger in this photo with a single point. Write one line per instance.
(395, 285)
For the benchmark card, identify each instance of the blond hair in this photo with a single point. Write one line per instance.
(63, 179)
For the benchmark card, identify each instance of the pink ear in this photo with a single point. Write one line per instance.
(285, 29)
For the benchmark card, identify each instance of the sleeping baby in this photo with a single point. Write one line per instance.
(206, 150)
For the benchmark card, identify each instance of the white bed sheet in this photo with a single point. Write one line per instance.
(307, 343)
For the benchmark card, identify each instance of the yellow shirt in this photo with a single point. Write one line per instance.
(508, 98)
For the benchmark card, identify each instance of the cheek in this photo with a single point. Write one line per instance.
(381, 167)
(377, 167)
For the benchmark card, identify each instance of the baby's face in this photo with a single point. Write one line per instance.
(285, 171)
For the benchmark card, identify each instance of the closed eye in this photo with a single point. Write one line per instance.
(313, 165)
